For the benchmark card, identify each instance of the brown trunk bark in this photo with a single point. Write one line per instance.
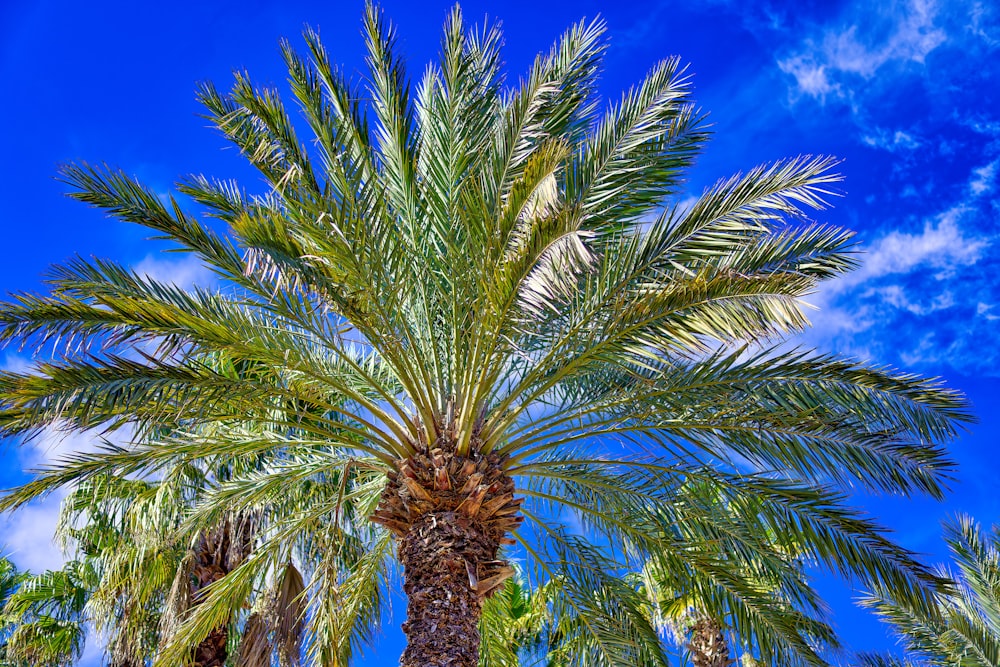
(439, 555)
(125, 662)
(220, 551)
(213, 650)
(708, 645)
(450, 514)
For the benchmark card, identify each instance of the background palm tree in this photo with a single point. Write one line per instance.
(10, 579)
(964, 629)
(461, 291)
(158, 545)
(141, 565)
(752, 594)
(515, 626)
(52, 613)
(46, 619)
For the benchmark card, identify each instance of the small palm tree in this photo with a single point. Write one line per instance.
(155, 547)
(964, 629)
(751, 593)
(142, 566)
(46, 616)
(515, 625)
(10, 579)
(463, 292)
(50, 613)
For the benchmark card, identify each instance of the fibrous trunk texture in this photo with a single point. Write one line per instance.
(708, 644)
(220, 551)
(124, 662)
(450, 514)
(439, 557)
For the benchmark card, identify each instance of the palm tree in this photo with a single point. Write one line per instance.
(467, 292)
(50, 613)
(10, 579)
(516, 624)
(118, 583)
(752, 588)
(45, 614)
(141, 566)
(965, 627)
(156, 546)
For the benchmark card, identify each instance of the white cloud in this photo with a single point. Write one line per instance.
(985, 310)
(55, 442)
(982, 24)
(890, 141)
(920, 296)
(897, 297)
(186, 272)
(989, 128)
(93, 649)
(985, 179)
(925, 351)
(810, 77)
(16, 363)
(843, 57)
(941, 246)
(28, 533)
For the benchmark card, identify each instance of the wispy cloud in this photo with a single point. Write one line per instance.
(985, 179)
(846, 56)
(941, 246)
(923, 296)
(93, 649)
(15, 363)
(890, 141)
(982, 24)
(28, 535)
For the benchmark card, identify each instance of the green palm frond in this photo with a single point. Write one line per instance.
(46, 642)
(515, 624)
(599, 616)
(963, 628)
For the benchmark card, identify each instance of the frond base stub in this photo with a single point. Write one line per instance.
(439, 480)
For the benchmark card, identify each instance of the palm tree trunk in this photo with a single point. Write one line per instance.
(439, 555)
(220, 550)
(450, 514)
(708, 645)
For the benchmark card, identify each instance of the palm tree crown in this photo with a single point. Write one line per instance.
(461, 291)
(41, 615)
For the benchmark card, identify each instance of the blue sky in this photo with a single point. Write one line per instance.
(905, 92)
